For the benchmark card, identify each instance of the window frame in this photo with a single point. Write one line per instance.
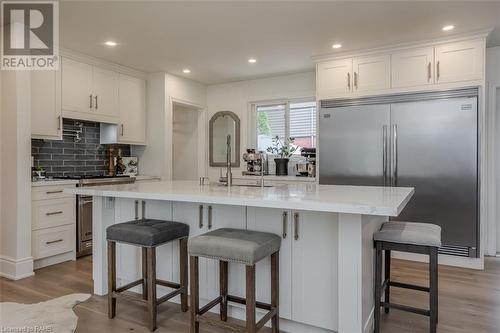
(252, 128)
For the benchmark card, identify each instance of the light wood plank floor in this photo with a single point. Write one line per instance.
(469, 300)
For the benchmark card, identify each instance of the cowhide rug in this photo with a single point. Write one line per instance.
(55, 316)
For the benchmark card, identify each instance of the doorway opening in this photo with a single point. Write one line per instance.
(187, 152)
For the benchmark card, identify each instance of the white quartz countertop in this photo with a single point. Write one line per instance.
(385, 201)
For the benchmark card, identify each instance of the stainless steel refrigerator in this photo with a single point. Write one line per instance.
(428, 141)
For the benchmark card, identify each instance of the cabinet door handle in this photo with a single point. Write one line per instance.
(136, 204)
(285, 220)
(96, 102)
(209, 217)
(438, 72)
(54, 192)
(54, 241)
(54, 213)
(349, 80)
(200, 216)
(356, 80)
(296, 225)
(90, 98)
(143, 209)
(429, 74)
(122, 130)
(59, 122)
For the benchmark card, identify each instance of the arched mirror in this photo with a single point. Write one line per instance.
(222, 125)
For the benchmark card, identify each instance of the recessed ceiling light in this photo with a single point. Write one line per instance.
(186, 71)
(337, 46)
(448, 27)
(110, 43)
(252, 60)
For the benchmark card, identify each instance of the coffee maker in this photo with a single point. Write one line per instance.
(307, 168)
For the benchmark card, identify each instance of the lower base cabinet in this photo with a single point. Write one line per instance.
(308, 264)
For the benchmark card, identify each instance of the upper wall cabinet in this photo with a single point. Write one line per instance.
(461, 61)
(372, 73)
(89, 92)
(46, 116)
(443, 66)
(334, 77)
(412, 68)
(132, 110)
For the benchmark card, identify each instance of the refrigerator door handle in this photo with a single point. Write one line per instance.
(384, 154)
(394, 155)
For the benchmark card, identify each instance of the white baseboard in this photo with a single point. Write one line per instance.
(16, 269)
(368, 328)
(44, 262)
(443, 259)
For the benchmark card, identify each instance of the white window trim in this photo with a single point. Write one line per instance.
(252, 107)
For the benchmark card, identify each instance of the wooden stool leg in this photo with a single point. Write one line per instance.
(195, 301)
(250, 298)
(378, 286)
(144, 273)
(275, 290)
(111, 279)
(223, 286)
(183, 272)
(152, 303)
(387, 277)
(433, 279)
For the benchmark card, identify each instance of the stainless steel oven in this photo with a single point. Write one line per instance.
(84, 211)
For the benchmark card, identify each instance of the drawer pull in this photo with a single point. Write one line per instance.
(209, 217)
(296, 225)
(54, 241)
(88, 245)
(200, 216)
(54, 213)
(54, 192)
(88, 233)
(285, 220)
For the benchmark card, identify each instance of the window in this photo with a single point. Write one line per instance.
(286, 119)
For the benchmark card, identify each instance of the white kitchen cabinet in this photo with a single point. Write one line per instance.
(371, 73)
(46, 115)
(132, 105)
(334, 78)
(89, 92)
(412, 68)
(275, 221)
(77, 85)
(105, 92)
(314, 267)
(461, 61)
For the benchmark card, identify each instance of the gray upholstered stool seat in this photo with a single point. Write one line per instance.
(424, 234)
(147, 232)
(243, 246)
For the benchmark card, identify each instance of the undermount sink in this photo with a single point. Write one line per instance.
(244, 184)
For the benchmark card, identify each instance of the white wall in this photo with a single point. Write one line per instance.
(492, 79)
(237, 97)
(15, 174)
(164, 89)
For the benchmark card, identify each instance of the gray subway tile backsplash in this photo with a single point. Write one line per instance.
(67, 157)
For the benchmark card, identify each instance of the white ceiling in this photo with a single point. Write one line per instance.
(215, 39)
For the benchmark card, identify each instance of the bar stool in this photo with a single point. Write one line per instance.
(147, 234)
(244, 247)
(423, 238)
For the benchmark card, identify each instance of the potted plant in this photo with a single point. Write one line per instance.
(282, 149)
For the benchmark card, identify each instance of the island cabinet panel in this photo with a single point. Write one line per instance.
(275, 221)
(314, 268)
(308, 264)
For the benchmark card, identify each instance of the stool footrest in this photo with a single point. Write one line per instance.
(210, 305)
(406, 308)
(221, 324)
(241, 300)
(128, 296)
(265, 319)
(129, 285)
(408, 286)
(168, 284)
(170, 295)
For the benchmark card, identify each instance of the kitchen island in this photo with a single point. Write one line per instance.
(326, 257)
